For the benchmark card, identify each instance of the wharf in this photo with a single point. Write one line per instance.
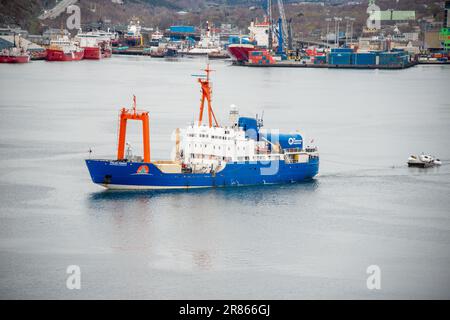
(129, 51)
(431, 62)
(296, 64)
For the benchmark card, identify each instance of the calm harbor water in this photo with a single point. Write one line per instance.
(308, 240)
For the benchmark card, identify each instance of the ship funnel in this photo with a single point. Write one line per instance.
(234, 115)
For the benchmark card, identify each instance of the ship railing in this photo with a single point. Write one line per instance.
(293, 150)
(311, 149)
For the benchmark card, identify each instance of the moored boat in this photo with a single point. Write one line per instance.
(258, 39)
(209, 155)
(209, 44)
(96, 44)
(156, 38)
(222, 54)
(64, 49)
(133, 36)
(241, 52)
(38, 54)
(15, 54)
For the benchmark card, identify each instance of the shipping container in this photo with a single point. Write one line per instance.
(182, 29)
(364, 59)
(342, 50)
(256, 53)
(390, 58)
(340, 58)
(404, 59)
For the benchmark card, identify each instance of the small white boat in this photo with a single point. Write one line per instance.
(423, 161)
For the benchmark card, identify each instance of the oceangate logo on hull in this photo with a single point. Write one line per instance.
(292, 141)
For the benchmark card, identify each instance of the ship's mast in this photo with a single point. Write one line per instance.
(206, 95)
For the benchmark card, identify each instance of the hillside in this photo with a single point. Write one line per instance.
(306, 17)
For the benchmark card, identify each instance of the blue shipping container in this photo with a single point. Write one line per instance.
(340, 58)
(342, 50)
(182, 29)
(387, 58)
(364, 58)
(236, 40)
(405, 59)
(320, 60)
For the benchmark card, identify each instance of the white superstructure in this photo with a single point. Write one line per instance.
(259, 32)
(134, 28)
(209, 43)
(206, 149)
(93, 38)
(65, 44)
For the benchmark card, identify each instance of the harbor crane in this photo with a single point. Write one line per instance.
(282, 32)
(284, 29)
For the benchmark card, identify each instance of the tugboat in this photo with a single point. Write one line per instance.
(209, 155)
(423, 161)
(156, 38)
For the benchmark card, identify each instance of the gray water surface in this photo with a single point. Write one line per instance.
(307, 240)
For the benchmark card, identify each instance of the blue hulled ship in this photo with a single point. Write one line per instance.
(209, 155)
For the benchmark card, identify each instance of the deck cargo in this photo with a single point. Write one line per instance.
(342, 50)
(390, 58)
(340, 58)
(364, 59)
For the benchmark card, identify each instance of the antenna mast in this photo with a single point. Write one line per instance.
(206, 95)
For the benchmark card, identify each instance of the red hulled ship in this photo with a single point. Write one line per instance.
(96, 44)
(258, 39)
(64, 49)
(14, 55)
(240, 52)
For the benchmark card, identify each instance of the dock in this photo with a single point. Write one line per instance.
(431, 62)
(296, 64)
(129, 51)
